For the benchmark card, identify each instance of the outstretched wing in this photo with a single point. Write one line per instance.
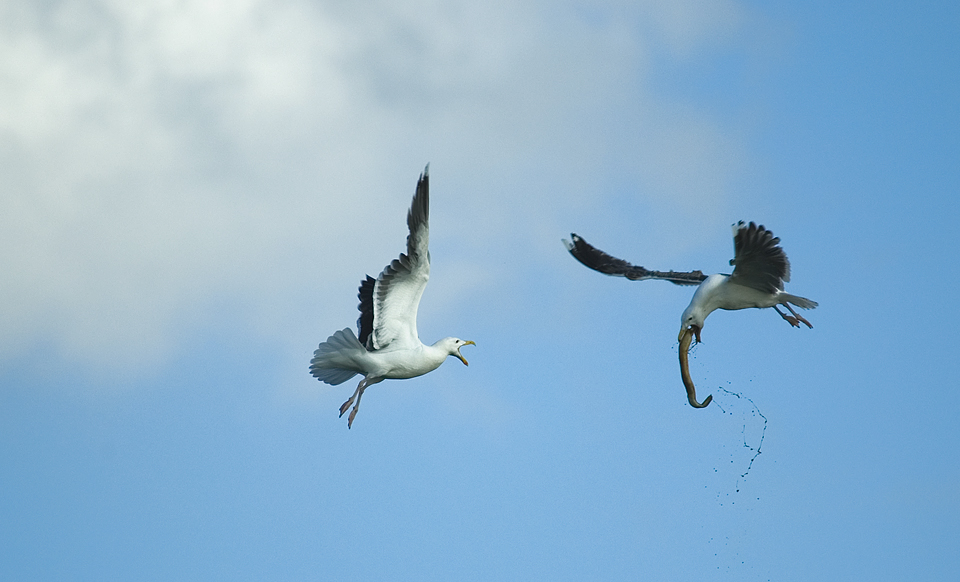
(388, 304)
(759, 262)
(600, 261)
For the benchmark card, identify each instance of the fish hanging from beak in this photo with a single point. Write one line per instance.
(686, 336)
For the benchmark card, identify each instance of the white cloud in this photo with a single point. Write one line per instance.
(691, 26)
(160, 155)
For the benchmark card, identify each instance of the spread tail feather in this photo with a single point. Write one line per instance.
(801, 302)
(333, 361)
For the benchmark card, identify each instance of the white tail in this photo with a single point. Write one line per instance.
(333, 361)
(801, 302)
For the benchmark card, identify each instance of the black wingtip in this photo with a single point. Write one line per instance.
(365, 321)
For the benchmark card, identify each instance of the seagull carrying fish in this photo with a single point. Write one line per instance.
(387, 345)
(760, 269)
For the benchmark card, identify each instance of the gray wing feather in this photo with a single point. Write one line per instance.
(396, 294)
(759, 262)
(598, 260)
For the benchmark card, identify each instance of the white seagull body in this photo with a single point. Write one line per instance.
(388, 346)
(760, 269)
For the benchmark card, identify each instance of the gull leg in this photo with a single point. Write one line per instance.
(798, 316)
(353, 413)
(346, 405)
(794, 321)
(357, 395)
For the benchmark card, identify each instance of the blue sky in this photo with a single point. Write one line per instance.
(192, 192)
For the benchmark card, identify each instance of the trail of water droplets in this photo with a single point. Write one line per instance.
(756, 450)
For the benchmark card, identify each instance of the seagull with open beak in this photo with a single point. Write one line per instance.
(387, 345)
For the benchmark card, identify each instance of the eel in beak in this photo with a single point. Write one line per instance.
(459, 355)
(686, 336)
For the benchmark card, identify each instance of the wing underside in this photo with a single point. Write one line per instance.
(389, 303)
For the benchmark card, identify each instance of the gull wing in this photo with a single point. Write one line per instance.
(598, 260)
(759, 261)
(388, 304)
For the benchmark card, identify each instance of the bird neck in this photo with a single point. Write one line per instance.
(436, 352)
(704, 301)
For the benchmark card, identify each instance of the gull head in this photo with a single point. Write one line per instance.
(705, 300)
(691, 322)
(453, 346)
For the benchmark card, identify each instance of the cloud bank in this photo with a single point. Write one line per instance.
(160, 158)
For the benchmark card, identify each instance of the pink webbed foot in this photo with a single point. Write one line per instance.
(798, 317)
(346, 405)
(353, 414)
(791, 320)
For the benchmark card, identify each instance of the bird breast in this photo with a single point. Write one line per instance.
(406, 363)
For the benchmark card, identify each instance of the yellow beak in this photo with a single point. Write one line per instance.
(459, 355)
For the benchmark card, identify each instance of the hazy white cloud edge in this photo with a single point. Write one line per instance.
(159, 157)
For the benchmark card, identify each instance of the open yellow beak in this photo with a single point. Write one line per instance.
(459, 355)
